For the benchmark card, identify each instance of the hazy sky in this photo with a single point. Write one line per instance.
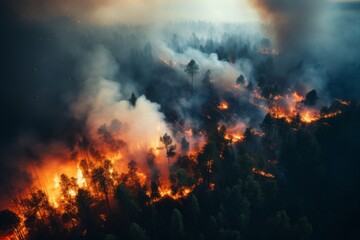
(138, 11)
(218, 10)
(112, 11)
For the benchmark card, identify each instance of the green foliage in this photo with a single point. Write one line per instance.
(137, 233)
(176, 226)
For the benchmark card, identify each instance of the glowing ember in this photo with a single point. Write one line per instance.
(307, 117)
(189, 132)
(234, 137)
(223, 105)
(332, 114)
(234, 133)
(262, 173)
(183, 192)
(343, 102)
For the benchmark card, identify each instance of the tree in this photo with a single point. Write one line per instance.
(133, 99)
(180, 178)
(311, 98)
(69, 189)
(98, 177)
(279, 227)
(10, 221)
(155, 175)
(206, 159)
(303, 229)
(241, 81)
(169, 147)
(191, 69)
(137, 233)
(195, 209)
(126, 201)
(185, 145)
(131, 178)
(83, 202)
(176, 225)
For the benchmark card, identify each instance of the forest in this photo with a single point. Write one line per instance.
(292, 178)
(183, 130)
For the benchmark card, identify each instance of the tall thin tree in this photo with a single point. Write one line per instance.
(192, 69)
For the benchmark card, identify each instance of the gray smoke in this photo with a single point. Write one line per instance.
(293, 24)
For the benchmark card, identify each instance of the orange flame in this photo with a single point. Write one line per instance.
(262, 173)
(223, 105)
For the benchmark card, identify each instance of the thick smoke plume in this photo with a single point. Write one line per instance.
(91, 10)
(131, 11)
(101, 103)
(293, 23)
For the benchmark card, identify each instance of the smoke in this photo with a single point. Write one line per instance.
(131, 11)
(102, 101)
(293, 24)
(106, 11)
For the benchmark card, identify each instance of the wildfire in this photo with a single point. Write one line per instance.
(80, 180)
(189, 132)
(167, 62)
(347, 103)
(309, 117)
(234, 133)
(262, 173)
(332, 114)
(180, 194)
(290, 107)
(297, 97)
(234, 137)
(223, 105)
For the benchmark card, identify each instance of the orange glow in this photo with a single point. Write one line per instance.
(183, 192)
(78, 171)
(289, 107)
(347, 103)
(277, 97)
(167, 62)
(80, 180)
(235, 133)
(262, 173)
(308, 117)
(223, 105)
(332, 114)
(297, 97)
(234, 137)
(189, 132)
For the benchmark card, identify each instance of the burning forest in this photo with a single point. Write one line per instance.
(117, 127)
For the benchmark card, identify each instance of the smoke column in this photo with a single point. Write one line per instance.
(292, 23)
